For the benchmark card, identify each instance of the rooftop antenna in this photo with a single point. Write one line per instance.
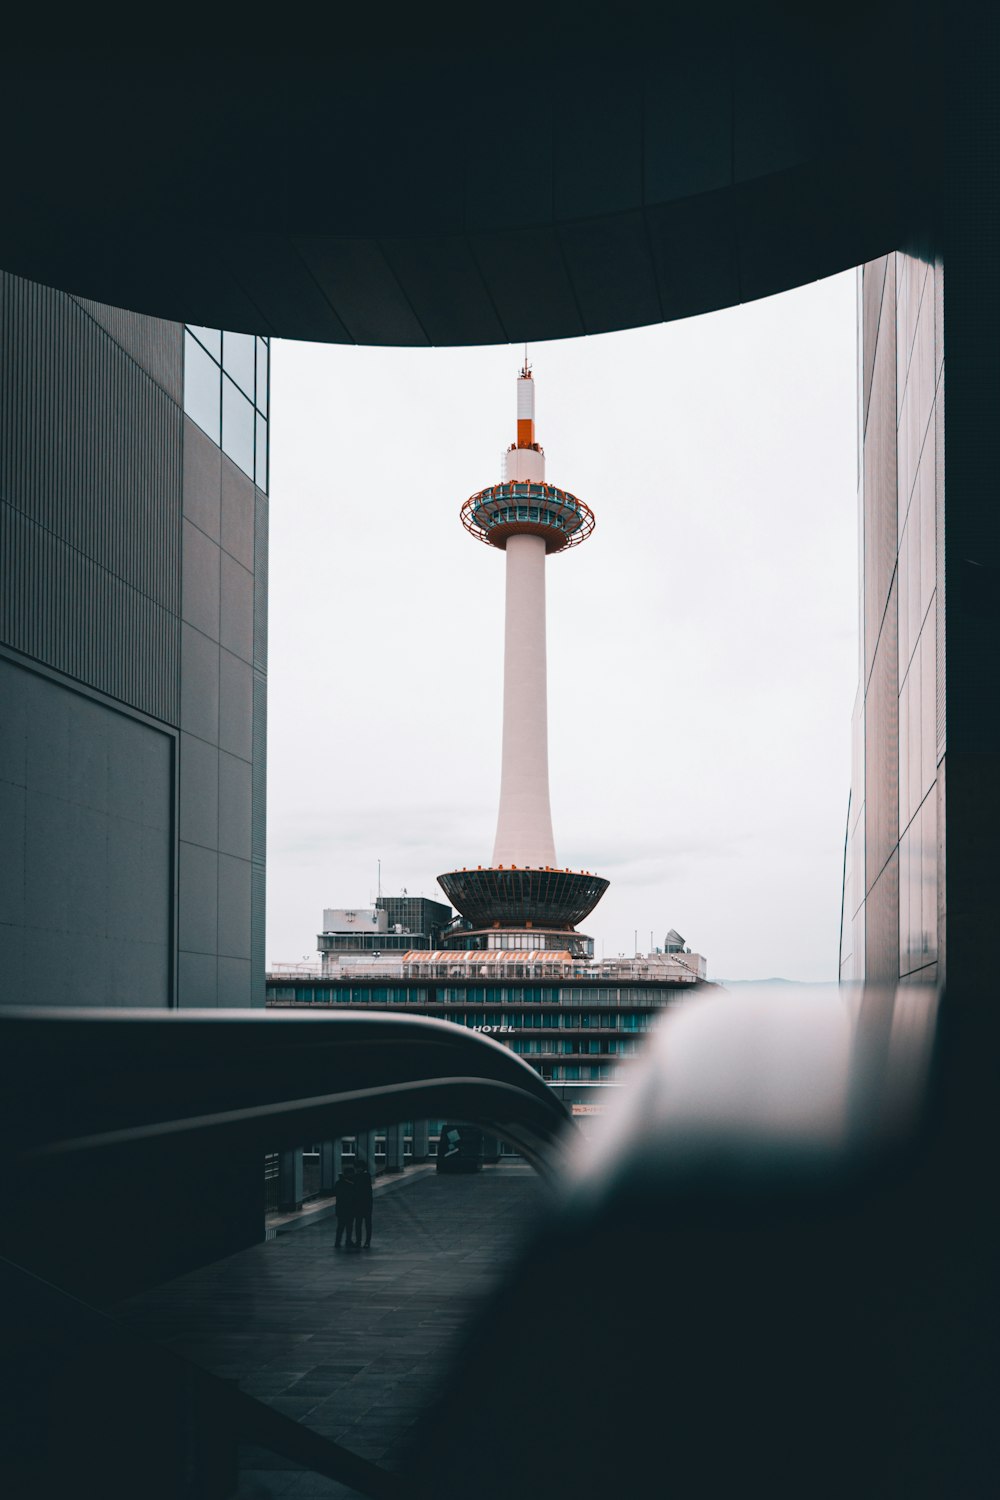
(380, 880)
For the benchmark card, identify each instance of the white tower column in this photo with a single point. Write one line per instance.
(529, 519)
(524, 822)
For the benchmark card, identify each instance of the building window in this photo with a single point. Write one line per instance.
(226, 393)
(239, 362)
(237, 427)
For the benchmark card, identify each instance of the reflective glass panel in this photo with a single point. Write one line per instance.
(211, 338)
(237, 427)
(239, 359)
(262, 353)
(261, 468)
(201, 388)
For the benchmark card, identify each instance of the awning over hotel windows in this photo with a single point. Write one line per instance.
(481, 956)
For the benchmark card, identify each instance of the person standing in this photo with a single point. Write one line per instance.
(343, 1190)
(363, 1197)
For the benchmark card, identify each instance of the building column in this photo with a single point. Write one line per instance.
(290, 1181)
(330, 1160)
(364, 1149)
(421, 1141)
(491, 1148)
(394, 1148)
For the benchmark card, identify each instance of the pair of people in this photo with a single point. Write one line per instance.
(353, 1190)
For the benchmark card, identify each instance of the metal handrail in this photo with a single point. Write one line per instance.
(256, 1078)
(761, 1115)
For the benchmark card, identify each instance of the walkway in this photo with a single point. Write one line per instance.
(352, 1343)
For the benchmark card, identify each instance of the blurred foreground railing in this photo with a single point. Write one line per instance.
(775, 1257)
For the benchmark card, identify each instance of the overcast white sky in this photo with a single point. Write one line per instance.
(702, 645)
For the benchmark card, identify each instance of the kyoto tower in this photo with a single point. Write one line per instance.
(523, 900)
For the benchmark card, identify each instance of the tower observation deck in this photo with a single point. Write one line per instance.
(523, 896)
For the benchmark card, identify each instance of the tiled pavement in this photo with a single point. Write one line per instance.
(352, 1343)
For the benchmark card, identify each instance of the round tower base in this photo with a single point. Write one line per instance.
(523, 900)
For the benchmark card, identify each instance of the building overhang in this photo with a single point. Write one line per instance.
(325, 185)
(519, 899)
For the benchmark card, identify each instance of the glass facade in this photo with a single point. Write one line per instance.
(300, 993)
(226, 379)
(516, 940)
(604, 1023)
(416, 915)
(371, 942)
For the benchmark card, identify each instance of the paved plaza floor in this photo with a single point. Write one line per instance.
(351, 1343)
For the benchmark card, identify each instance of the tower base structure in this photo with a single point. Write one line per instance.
(523, 910)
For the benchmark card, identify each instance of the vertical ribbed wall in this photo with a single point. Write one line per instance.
(90, 498)
(222, 750)
(894, 890)
(152, 342)
(133, 611)
(258, 875)
(90, 595)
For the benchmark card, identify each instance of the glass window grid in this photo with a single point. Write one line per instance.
(656, 996)
(514, 941)
(618, 1031)
(243, 362)
(567, 1016)
(209, 338)
(239, 360)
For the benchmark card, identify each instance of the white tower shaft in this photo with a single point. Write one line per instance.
(529, 519)
(524, 822)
